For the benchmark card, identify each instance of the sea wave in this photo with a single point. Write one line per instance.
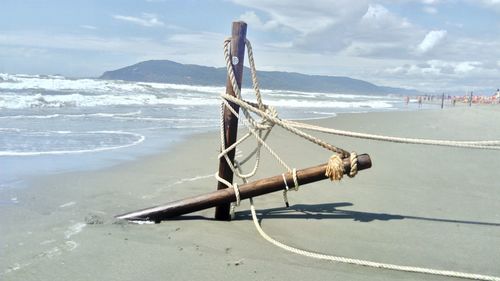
(36, 91)
(59, 83)
(126, 139)
(294, 103)
(57, 115)
(330, 114)
(23, 101)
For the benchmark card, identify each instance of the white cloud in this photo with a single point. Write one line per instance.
(378, 16)
(305, 17)
(430, 2)
(86, 26)
(467, 66)
(147, 20)
(490, 2)
(430, 10)
(441, 75)
(205, 38)
(330, 27)
(493, 5)
(431, 40)
(280, 45)
(198, 48)
(253, 19)
(376, 12)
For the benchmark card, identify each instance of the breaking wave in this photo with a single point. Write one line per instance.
(45, 91)
(67, 142)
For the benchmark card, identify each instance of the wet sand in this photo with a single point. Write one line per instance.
(418, 205)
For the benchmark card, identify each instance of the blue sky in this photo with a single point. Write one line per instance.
(434, 45)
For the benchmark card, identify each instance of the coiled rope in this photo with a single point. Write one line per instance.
(261, 129)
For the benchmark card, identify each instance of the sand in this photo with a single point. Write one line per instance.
(418, 205)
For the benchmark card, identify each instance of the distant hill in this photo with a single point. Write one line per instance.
(165, 71)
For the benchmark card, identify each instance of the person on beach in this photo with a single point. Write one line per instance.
(497, 96)
(419, 102)
(407, 100)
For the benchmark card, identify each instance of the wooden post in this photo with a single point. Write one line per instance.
(247, 190)
(237, 54)
(442, 101)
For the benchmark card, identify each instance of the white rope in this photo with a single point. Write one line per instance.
(488, 144)
(293, 126)
(364, 262)
(295, 180)
(237, 193)
(269, 119)
(285, 192)
(354, 164)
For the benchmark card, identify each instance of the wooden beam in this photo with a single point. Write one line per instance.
(237, 54)
(226, 196)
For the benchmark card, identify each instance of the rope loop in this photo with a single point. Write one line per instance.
(354, 164)
(237, 193)
(295, 180)
(260, 129)
(285, 191)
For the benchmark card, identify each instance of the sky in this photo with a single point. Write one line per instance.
(428, 45)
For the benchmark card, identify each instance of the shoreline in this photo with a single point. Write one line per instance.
(435, 205)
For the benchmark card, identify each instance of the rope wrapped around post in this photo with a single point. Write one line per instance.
(334, 170)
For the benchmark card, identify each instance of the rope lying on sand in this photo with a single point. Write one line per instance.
(261, 130)
(365, 262)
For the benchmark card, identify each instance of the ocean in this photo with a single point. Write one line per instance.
(52, 124)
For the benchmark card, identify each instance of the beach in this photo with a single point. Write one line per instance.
(426, 206)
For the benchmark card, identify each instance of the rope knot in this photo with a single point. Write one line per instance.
(335, 168)
(266, 123)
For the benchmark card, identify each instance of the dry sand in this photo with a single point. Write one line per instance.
(418, 205)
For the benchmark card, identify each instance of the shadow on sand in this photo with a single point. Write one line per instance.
(331, 211)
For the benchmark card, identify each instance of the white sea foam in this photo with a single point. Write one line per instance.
(22, 101)
(195, 178)
(312, 95)
(15, 130)
(138, 139)
(50, 116)
(59, 83)
(45, 242)
(70, 245)
(329, 104)
(74, 229)
(35, 91)
(67, 204)
(332, 114)
(30, 116)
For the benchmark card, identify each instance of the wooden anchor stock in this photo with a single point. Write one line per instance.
(226, 196)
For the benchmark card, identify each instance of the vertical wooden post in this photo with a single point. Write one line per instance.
(442, 101)
(239, 31)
